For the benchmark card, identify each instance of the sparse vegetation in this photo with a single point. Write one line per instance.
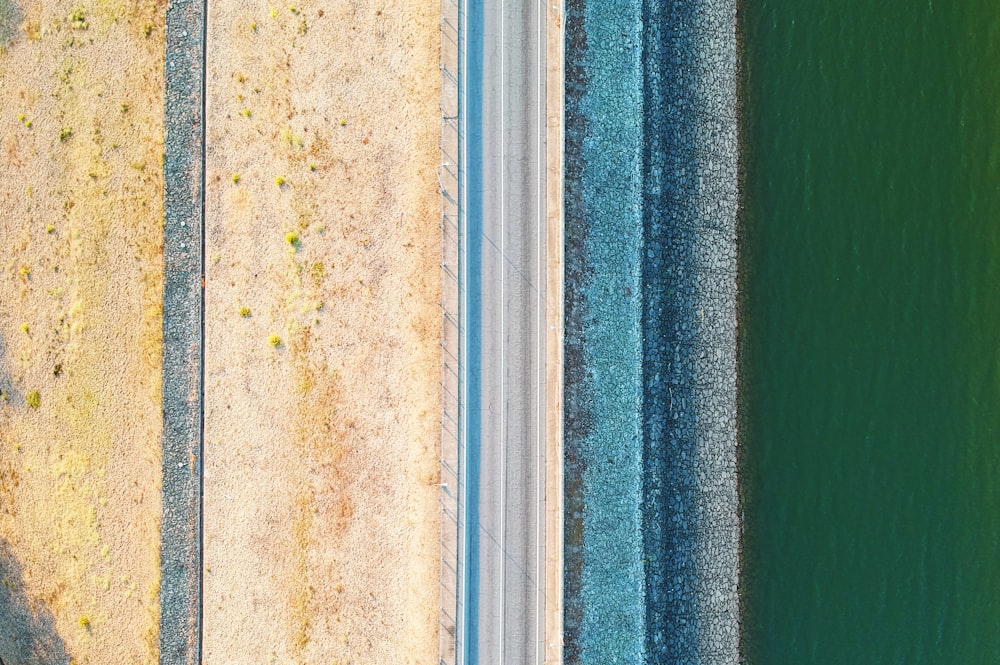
(245, 312)
(274, 340)
(280, 181)
(77, 20)
(292, 238)
(318, 272)
(289, 137)
(236, 178)
(94, 211)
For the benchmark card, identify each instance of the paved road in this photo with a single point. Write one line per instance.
(503, 97)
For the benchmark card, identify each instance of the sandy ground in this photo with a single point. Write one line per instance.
(323, 363)
(80, 325)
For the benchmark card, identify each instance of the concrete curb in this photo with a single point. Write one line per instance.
(183, 325)
(554, 337)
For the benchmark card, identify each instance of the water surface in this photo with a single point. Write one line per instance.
(871, 310)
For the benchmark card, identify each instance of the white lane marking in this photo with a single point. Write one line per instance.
(539, 364)
(503, 363)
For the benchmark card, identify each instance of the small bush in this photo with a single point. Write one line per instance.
(34, 399)
(77, 20)
(274, 341)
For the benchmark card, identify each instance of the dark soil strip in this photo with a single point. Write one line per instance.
(183, 333)
(577, 419)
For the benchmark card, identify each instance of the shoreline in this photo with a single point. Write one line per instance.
(691, 507)
(687, 541)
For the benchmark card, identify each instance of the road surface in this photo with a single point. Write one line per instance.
(503, 194)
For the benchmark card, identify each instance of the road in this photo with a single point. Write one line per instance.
(503, 193)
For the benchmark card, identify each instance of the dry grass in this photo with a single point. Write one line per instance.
(80, 292)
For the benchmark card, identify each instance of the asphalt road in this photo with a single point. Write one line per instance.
(503, 185)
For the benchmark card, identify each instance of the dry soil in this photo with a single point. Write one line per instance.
(323, 363)
(81, 231)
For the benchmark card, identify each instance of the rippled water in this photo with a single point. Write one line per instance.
(871, 311)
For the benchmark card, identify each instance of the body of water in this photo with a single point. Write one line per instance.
(870, 331)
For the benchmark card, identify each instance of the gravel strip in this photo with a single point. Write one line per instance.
(180, 563)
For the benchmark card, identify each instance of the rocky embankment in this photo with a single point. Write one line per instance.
(652, 511)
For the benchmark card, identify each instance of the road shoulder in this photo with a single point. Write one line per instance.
(554, 335)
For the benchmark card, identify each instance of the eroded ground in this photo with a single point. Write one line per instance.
(80, 324)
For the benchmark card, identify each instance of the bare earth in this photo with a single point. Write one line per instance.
(81, 232)
(323, 284)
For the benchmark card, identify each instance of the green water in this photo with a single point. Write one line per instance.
(870, 392)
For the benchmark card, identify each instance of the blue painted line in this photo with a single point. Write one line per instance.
(470, 114)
